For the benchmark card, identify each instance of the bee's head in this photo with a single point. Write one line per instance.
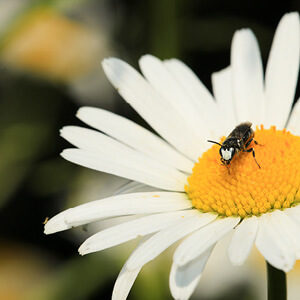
(226, 154)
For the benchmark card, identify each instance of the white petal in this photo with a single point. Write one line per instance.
(134, 136)
(202, 239)
(294, 120)
(128, 204)
(133, 187)
(294, 213)
(288, 229)
(191, 84)
(174, 94)
(129, 164)
(282, 70)
(126, 278)
(92, 140)
(165, 238)
(124, 283)
(273, 246)
(247, 77)
(109, 148)
(200, 98)
(121, 233)
(242, 241)
(165, 84)
(222, 88)
(184, 279)
(163, 117)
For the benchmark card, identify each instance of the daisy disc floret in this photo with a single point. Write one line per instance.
(197, 200)
(247, 190)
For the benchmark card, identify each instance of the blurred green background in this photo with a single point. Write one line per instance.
(50, 65)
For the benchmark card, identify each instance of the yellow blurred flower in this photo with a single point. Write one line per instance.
(49, 44)
(22, 269)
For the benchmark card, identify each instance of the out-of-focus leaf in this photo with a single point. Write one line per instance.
(59, 4)
(164, 28)
(153, 281)
(29, 116)
(52, 176)
(19, 145)
(76, 279)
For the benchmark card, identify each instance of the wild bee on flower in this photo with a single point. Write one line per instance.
(238, 140)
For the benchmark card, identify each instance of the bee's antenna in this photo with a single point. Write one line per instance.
(214, 142)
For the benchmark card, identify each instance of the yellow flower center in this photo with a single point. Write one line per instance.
(244, 189)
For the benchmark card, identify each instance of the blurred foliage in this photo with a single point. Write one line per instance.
(76, 278)
(29, 116)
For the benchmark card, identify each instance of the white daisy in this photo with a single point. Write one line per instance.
(202, 201)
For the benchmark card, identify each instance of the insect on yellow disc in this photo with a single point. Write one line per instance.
(246, 189)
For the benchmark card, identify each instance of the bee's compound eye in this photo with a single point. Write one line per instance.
(227, 153)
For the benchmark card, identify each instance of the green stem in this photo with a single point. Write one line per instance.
(276, 283)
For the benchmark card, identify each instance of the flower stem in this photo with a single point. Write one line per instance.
(276, 283)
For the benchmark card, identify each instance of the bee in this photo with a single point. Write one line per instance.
(238, 141)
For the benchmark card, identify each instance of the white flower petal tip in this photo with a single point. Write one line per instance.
(282, 70)
(148, 58)
(199, 97)
(292, 17)
(172, 117)
(56, 224)
(83, 250)
(124, 232)
(134, 136)
(242, 241)
(120, 205)
(172, 89)
(182, 285)
(65, 153)
(61, 131)
(247, 77)
(115, 69)
(69, 132)
(106, 61)
(184, 279)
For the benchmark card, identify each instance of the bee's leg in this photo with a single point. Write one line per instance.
(257, 143)
(248, 143)
(254, 141)
(228, 169)
(253, 154)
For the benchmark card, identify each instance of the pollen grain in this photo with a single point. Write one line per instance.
(244, 189)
